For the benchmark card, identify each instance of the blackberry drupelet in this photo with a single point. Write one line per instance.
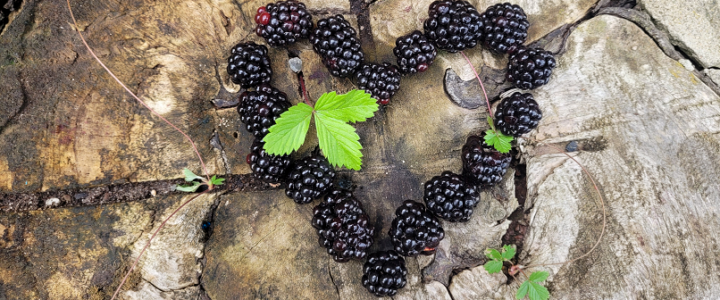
(505, 27)
(342, 226)
(384, 273)
(415, 230)
(266, 167)
(529, 68)
(453, 25)
(449, 197)
(381, 81)
(482, 164)
(249, 65)
(337, 43)
(309, 178)
(283, 23)
(517, 115)
(259, 109)
(414, 53)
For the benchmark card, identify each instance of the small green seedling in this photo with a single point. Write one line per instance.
(530, 287)
(338, 140)
(192, 178)
(497, 139)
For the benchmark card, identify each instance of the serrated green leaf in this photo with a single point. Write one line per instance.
(190, 176)
(188, 188)
(537, 292)
(523, 290)
(508, 252)
(493, 266)
(338, 141)
(493, 254)
(355, 106)
(498, 140)
(289, 131)
(217, 181)
(539, 276)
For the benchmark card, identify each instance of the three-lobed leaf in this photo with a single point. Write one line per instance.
(497, 139)
(217, 181)
(532, 287)
(289, 131)
(508, 252)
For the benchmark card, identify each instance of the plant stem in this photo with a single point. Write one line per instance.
(487, 101)
(302, 85)
(207, 174)
(151, 238)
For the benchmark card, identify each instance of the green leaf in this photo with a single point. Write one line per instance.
(190, 176)
(493, 266)
(539, 276)
(523, 290)
(355, 106)
(498, 140)
(493, 254)
(508, 252)
(338, 141)
(288, 133)
(537, 292)
(217, 181)
(188, 188)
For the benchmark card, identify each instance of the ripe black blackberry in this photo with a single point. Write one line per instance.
(453, 25)
(414, 53)
(266, 167)
(259, 109)
(384, 273)
(249, 64)
(449, 197)
(337, 43)
(517, 115)
(381, 81)
(482, 164)
(529, 68)
(342, 226)
(505, 27)
(309, 178)
(283, 23)
(415, 230)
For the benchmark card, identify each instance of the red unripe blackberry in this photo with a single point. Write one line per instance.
(482, 164)
(249, 64)
(309, 178)
(266, 167)
(450, 198)
(517, 115)
(381, 81)
(338, 45)
(259, 109)
(505, 27)
(283, 23)
(415, 230)
(453, 25)
(529, 68)
(414, 53)
(384, 273)
(342, 226)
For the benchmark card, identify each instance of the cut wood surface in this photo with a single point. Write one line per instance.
(647, 127)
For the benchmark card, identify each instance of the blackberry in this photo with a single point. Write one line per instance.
(337, 43)
(309, 179)
(482, 164)
(414, 53)
(517, 115)
(450, 198)
(266, 167)
(259, 109)
(415, 230)
(283, 23)
(384, 273)
(381, 81)
(505, 27)
(342, 226)
(529, 68)
(249, 64)
(453, 25)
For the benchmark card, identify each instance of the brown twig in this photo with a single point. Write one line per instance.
(487, 101)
